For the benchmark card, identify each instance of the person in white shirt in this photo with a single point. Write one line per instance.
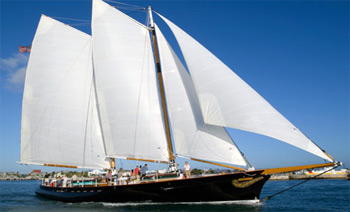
(74, 178)
(65, 179)
(187, 170)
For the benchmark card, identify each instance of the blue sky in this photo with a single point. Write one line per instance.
(294, 53)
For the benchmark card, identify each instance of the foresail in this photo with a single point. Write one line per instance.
(226, 100)
(192, 137)
(59, 119)
(126, 86)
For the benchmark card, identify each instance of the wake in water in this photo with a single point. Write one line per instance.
(235, 206)
(237, 202)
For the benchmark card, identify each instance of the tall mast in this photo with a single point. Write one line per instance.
(161, 87)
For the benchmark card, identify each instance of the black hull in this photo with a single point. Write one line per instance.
(228, 187)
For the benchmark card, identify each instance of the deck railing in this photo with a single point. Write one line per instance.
(96, 182)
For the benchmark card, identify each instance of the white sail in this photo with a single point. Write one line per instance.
(192, 137)
(59, 119)
(226, 100)
(126, 86)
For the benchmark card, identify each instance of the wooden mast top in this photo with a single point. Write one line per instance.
(161, 88)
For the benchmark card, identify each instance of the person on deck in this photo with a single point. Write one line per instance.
(187, 170)
(144, 170)
(74, 178)
(120, 176)
(132, 176)
(137, 170)
(53, 182)
(59, 182)
(65, 180)
(109, 177)
(46, 179)
(137, 174)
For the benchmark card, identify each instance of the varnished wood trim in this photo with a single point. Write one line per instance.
(57, 165)
(328, 155)
(295, 168)
(218, 164)
(147, 160)
(156, 52)
(162, 95)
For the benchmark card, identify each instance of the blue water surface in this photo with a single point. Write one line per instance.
(314, 195)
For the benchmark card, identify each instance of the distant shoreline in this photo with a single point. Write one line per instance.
(19, 179)
(304, 177)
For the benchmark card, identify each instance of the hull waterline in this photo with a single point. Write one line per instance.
(228, 187)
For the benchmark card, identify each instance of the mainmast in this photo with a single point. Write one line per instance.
(161, 87)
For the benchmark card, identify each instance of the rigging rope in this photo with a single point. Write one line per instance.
(123, 4)
(127, 8)
(269, 197)
(71, 19)
(133, 9)
(139, 10)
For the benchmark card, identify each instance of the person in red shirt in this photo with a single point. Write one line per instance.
(137, 170)
(137, 173)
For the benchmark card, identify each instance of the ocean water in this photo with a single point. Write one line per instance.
(314, 195)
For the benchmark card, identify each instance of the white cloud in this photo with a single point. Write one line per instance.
(13, 71)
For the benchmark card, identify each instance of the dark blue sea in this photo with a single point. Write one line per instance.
(314, 195)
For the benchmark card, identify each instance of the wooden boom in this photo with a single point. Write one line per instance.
(295, 168)
(218, 164)
(148, 160)
(57, 165)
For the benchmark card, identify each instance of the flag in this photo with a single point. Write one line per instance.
(23, 49)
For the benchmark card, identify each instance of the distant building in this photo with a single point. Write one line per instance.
(97, 172)
(35, 172)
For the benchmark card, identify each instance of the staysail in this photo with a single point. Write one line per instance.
(59, 118)
(226, 100)
(126, 86)
(192, 137)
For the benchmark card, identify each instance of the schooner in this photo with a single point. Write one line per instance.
(123, 93)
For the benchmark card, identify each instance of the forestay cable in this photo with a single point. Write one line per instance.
(269, 197)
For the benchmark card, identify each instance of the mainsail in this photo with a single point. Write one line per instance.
(226, 100)
(126, 86)
(192, 137)
(59, 117)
